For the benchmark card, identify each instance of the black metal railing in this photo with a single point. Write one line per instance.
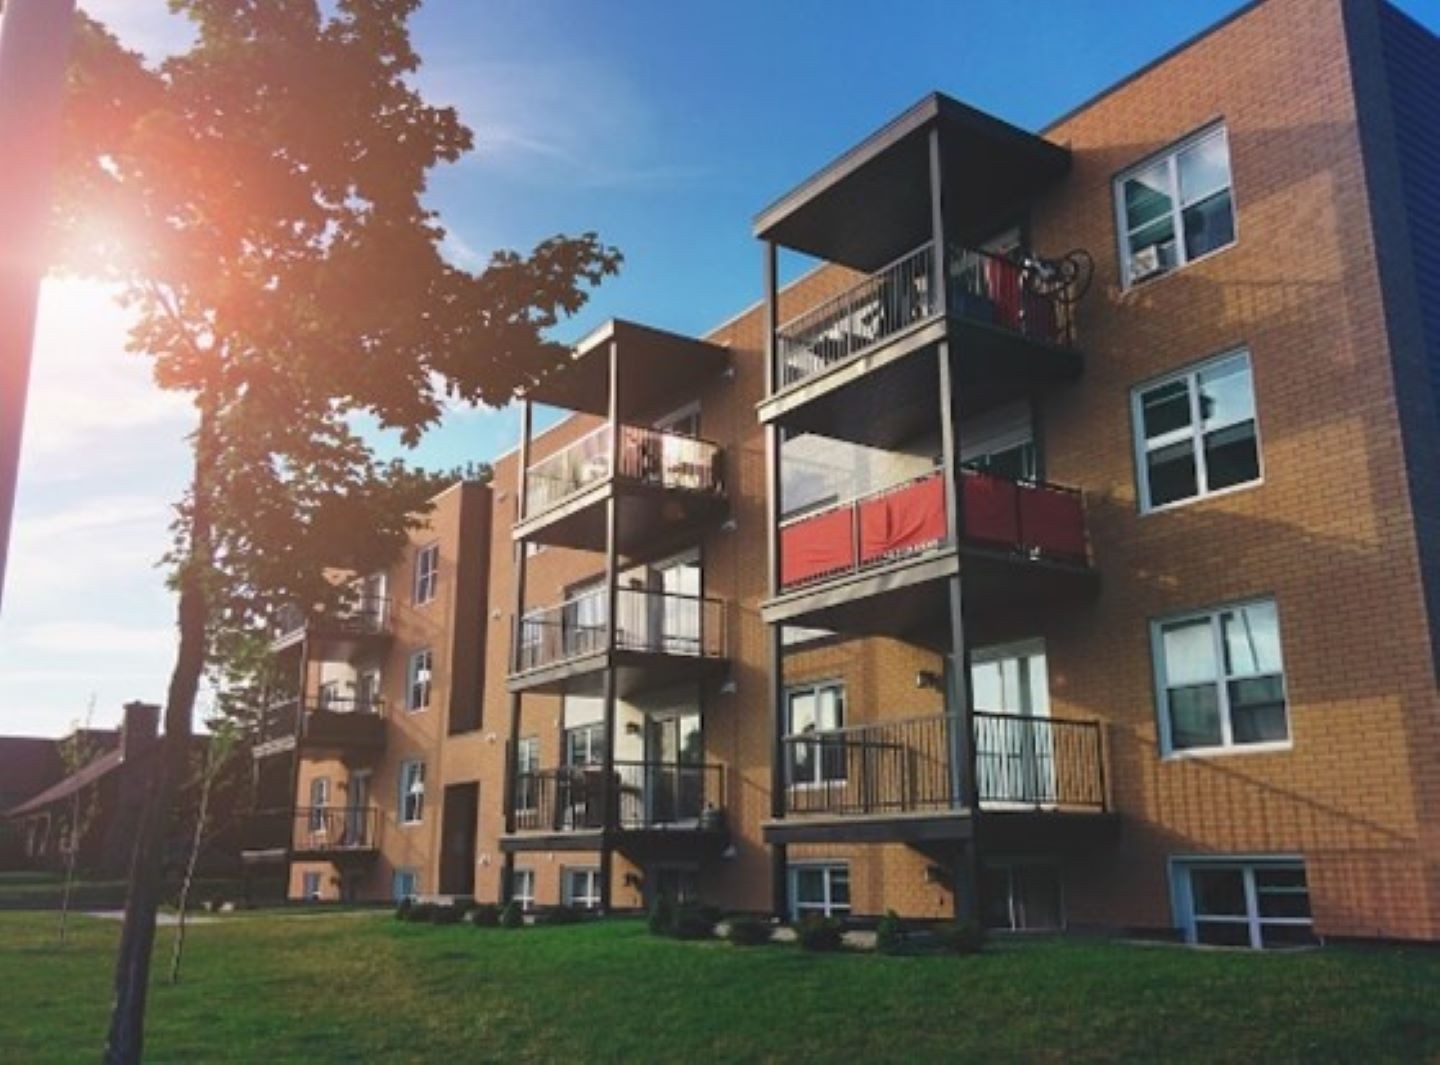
(981, 286)
(645, 455)
(645, 620)
(366, 615)
(640, 795)
(314, 830)
(911, 766)
(290, 716)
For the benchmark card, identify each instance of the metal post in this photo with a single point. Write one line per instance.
(521, 555)
(609, 791)
(34, 50)
(779, 888)
(937, 223)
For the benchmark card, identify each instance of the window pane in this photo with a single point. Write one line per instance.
(1218, 892)
(1148, 195)
(1252, 640)
(840, 887)
(1189, 648)
(1195, 717)
(1231, 456)
(1171, 472)
(1287, 935)
(1293, 904)
(809, 886)
(1280, 877)
(1223, 933)
(1257, 710)
(1204, 168)
(1209, 224)
(802, 712)
(1152, 248)
(1226, 393)
(829, 711)
(1165, 409)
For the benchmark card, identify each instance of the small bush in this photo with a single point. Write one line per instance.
(449, 913)
(564, 915)
(512, 916)
(661, 918)
(962, 937)
(403, 908)
(749, 931)
(695, 922)
(820, 934)
(420, 911)
(485, 915)
(890, 933)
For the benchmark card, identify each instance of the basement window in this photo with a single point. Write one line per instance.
(822, 889)
(1244, 903)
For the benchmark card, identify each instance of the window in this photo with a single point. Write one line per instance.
(319, 800)
(405, 884)
(815, 708)
(582, 888)
(585, 745)
(367, 692)
(310, 887)
(1176, 208)
(822, 889)
(1023, 896)
(328, 695)
(427, 574)
(522, 889)
(412, 793)
(1255, 903)
(1196, 433)
(417, 688)
(1221, 680)
(527, 764)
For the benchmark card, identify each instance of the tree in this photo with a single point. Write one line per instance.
(76, 752)
(223, 743)
(259, 199)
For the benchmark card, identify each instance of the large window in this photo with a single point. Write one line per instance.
(1244, 903)
(822, 889)
(815, 708)
(1196, 433)
(1176, 208)
(582, 888)
(585, 745)
(417, 688)
(412, 793)
(319, 802)
(522, 889)
(527, 764)
(405, 884)
(1221, 680)
(427, 574)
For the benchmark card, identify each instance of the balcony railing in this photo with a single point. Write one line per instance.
(645, 620)
(1028, 518)
(314, 829)
(286, 717)
(366, 616)
(641, 795)
(983, 287)
(909, 766)
(646, 456)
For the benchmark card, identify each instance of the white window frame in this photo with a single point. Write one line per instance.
(819, 780)
(522, 888)
(417, 691)
(1170, 156)
(587, 899)
(405, 874)
(410, 807)
(828, 907)
(1222, 681)
(310, 886)
(319, 803)
(1195, 432)
(1183, 898)
(426, 583)
(527, 761)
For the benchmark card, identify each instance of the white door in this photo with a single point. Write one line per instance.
(1014, 754)
(357, 824)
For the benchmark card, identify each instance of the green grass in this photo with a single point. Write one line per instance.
(44, 891)
(287, 987)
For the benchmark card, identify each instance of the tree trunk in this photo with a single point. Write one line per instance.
(125, 1041)
(70, 865)
(195, 842)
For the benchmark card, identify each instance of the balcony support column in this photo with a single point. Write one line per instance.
(937, 224)
(521, 557)
(608, 791)
(774, 638)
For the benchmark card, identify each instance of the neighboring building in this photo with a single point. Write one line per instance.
(1108, 605)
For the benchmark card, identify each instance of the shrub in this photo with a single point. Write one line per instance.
(695, 922)
(661, 919)
(564, 915)
(890, 933)
(820, 934)
(512, 916)
(420, 911)
(449, 913)
(403, 908)
(962, 937)
(749, 931)
(485, 915)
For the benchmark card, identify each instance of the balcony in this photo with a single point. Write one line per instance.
(319, 833)
(648, 809)
(1021, 539)
(360, 622)
(661, 638)
(899, 781)
(342, 726)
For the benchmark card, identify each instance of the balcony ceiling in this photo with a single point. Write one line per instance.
(658, 371)
(872, 204)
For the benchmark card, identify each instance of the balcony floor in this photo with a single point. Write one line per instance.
(1012, 830)
(635, 671)
(640, 844)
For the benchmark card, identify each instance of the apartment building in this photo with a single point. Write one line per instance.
(1061, 548)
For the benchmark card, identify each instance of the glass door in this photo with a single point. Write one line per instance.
(679, 618)
(1014, 755)
(357, 805)
(674, 753)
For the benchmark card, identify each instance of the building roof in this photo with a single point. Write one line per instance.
(27, 766)
(77, 781)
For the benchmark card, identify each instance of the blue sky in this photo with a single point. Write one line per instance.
(665, 126)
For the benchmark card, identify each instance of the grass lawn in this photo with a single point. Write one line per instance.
(277, 987)
(43, 890)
